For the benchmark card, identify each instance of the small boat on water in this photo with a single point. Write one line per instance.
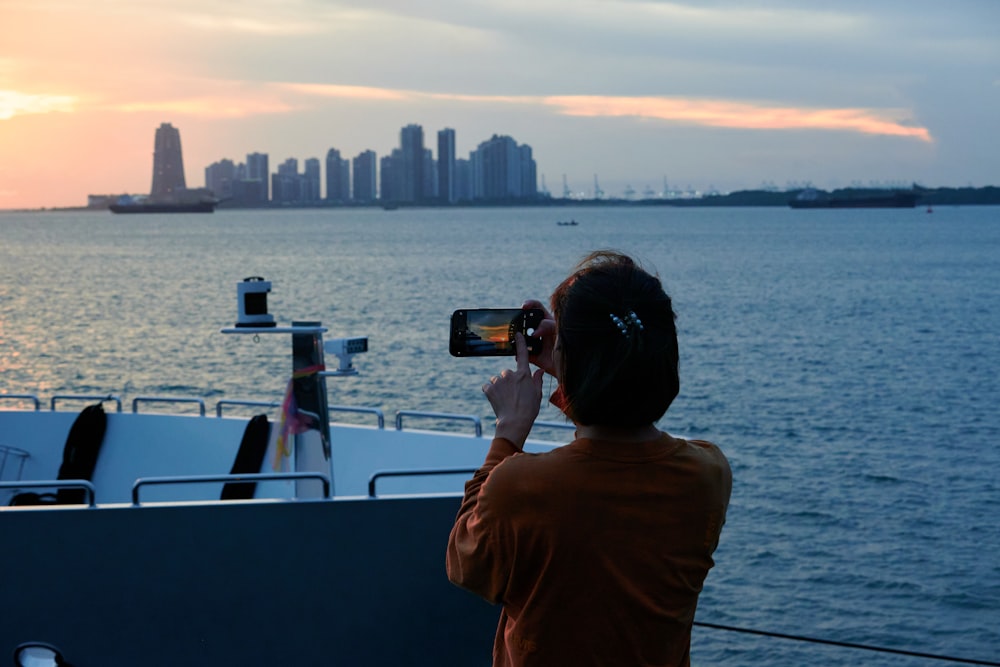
(811, 198)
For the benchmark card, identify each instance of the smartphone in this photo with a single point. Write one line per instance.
(489, 332)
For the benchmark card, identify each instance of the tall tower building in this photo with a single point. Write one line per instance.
(257, 170)
(168, 163)
(365, 185)
(429, 188)
(309, 190)
(529, 169)
(446, 166)
(388, 186)
(286, 183)
(503, 170)
(219, 178)
(338, 177)
(411, 165)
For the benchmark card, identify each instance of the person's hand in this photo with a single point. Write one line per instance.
(546, 330)
(516, 396)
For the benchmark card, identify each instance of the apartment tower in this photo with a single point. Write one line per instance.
(168, 163)
(446, 166)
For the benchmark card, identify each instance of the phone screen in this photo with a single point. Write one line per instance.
(489, 332)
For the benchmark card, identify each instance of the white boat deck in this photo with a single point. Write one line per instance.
(140, 446)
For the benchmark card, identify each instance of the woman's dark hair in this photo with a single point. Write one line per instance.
(618, 342)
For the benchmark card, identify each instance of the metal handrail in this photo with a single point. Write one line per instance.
(166, 399)
(19, 455)
(23, 397)
(380, 416)
(256, 477)
(56, 484)
(477, 422)
(252, 404)
(414, 473)
(83, 397)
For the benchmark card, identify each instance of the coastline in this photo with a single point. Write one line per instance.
(967, 196)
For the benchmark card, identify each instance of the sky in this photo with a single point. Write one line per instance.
(713, 94)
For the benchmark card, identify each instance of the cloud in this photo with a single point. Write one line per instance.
(268, 26)
(207, 107)
(694, 111)
(368, 93)
(484, 99)
(15, 103)
(740, 115)
(350, 92)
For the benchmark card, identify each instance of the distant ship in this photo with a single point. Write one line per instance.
(130, 205)
(855, 199)
(169, 194)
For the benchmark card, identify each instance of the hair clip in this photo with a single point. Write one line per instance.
(630, 322)
(618, 323)
(634, 320)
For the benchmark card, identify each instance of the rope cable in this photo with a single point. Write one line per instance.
(830, 642)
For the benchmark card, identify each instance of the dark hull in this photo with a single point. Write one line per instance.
(326, 582)
(195, 207)
(899, 200)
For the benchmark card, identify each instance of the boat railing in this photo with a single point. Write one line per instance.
(86, 397)
(222, 404)
(251, 404)
(167, 399)
(379, 415)
(228, 479)
(12, 458)
(445, 416)
(22, 397)
(87, 487)
(413, 473)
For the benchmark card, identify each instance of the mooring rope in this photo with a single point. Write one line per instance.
(864, 647)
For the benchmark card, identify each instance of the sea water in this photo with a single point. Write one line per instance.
(845, 361)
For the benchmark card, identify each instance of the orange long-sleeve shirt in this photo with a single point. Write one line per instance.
(596, 550)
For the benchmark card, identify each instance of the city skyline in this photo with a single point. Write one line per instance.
(498, 169)
(710, 94)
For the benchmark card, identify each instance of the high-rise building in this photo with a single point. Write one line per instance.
(257, 170)
(365, 185)
(503, 170)
(446, 166)
(311, 180)
(168, 163)
(429, 188)
(219, 178)
(388, 184)
(410, 168)
(463, 180)
(529, 171)
(338, 177)
(286, 186)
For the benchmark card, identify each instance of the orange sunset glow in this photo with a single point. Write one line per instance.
(722, 113)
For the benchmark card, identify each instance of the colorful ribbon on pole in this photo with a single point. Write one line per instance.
(292, 421)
